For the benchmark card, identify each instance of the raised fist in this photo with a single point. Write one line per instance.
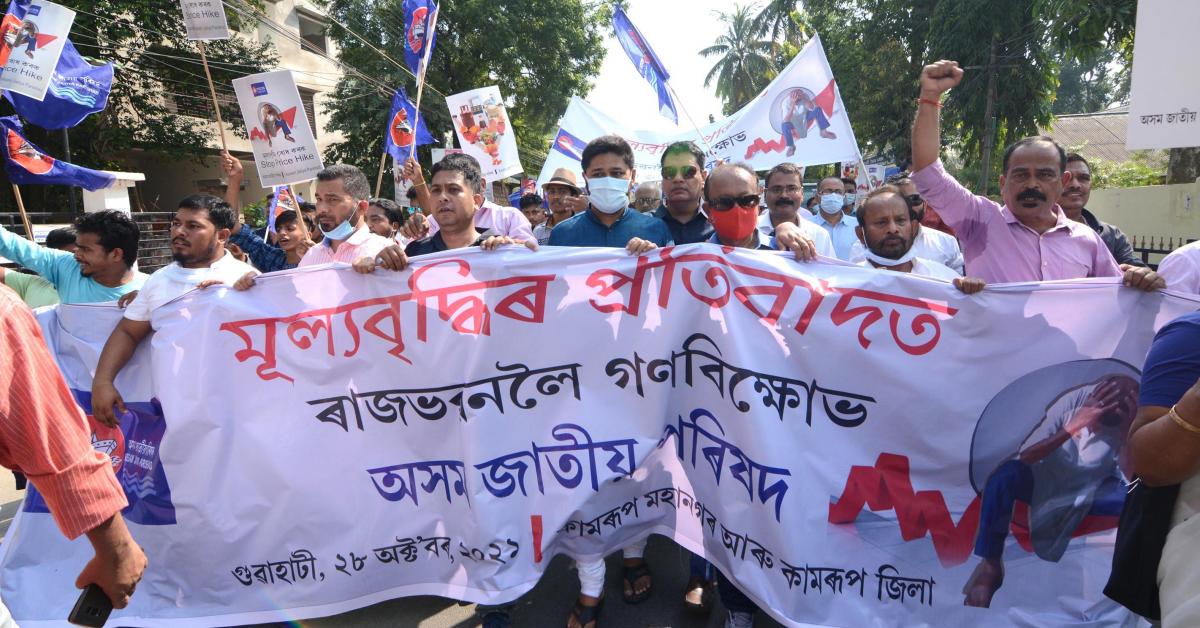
(940, 77)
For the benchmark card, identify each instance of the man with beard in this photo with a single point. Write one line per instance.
(1028, 238)
(1074, 205)
(199, 231)
(785, 188)
(99, 269)
(886, 225)
(291, 245)
(682, 169)
(928, 243)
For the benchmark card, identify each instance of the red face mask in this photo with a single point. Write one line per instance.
(735, 224)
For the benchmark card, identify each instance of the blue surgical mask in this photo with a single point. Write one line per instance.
(341, 232)
(850, 198)
(609, 195)
(832, 203)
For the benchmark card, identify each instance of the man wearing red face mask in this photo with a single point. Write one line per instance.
(731, 197)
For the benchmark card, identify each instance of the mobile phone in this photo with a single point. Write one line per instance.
(92, 608)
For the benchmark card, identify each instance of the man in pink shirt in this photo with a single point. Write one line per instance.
(1029, 238)
(343, 194)
(492, 218)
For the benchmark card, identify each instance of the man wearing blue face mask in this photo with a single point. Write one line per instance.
(609, 221)
(832, 194)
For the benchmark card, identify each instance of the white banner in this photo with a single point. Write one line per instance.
(285, 150)
(31, 47)
(798, 118)
(204, 19)
(826, 434)
(1164, 103)
(484, 131)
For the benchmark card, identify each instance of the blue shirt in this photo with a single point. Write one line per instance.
(265, 257)
(842, 234)
(759, 245)
(61, 269)
(1173, 364)
(698, 229)
(584, 229)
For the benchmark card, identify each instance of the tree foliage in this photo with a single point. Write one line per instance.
(539, 52)
(745, 65)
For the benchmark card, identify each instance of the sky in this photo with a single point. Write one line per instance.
(677, 30)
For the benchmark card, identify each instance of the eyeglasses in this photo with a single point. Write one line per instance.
(779, 189)
(726, 203)
(646, 202)
(688, 172)
(915, 199)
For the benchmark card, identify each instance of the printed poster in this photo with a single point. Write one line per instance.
(285, 150)
(30, 47)
(204, 19)
(484, 132)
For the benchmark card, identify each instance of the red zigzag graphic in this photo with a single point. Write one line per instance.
(887, 486)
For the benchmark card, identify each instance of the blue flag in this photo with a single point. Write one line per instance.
(645, 61)
(420, 17)
(27, 164)
(401, 138)
(77, 90)
(283, 198)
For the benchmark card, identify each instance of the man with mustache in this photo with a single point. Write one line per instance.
(1029, 238)
(784, 190)
(1074, 204)
(927, 243)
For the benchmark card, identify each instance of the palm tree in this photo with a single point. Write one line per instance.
(745, 64)
(781, 20)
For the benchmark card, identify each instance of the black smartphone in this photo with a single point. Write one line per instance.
(92, 608)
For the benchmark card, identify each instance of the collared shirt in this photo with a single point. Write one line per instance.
(173, 280)
(1181, 269)
(435, 243)
(264, 256)
(930, 244)
(842, 234)
(505, 221)
(583, 229)
(61, 269)
(998, 248)
(698, 229)
(43, 432)
(1115, 239)
(924, 268)
(362, 243)
(819, 236)
(761, 242)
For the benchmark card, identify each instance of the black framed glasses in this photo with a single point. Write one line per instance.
(687, 172)
(726, 203)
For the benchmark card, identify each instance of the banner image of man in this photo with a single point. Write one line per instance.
(1071, 471)
(274, 122)
(27, 36)
(801, 112)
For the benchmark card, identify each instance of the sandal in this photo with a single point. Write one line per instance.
(585, 615)
(631, 575)
(706, 596)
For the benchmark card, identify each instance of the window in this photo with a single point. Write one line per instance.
(308, 98)
(312, 31)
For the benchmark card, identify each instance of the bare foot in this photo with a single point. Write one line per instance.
(791, 151)
(827, 134)
(983, 583)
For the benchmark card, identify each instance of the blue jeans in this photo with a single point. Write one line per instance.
(816, 114)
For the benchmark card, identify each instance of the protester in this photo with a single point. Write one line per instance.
(928, 244)
(811, 205)
(532, 206)
(851, 186)
(887, 223)
(247, 245)
(682, 169)
(309, 212)
(839, 226)
(502, 221)
(384, 217)
(560, 189)
(784, 189)
(199, 231)
(35, 290)
(1181, 269)
(1074, 205)
(101, 267)
(62, 239)
(44, 434)
(647, 197)
(1028, 238)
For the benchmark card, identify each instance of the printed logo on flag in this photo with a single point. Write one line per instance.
(416, 30)
(569, 145)
(34, 10)
(26, 156)
(259, 89)
(401, 129)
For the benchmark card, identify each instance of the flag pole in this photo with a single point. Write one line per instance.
(24, 216)
(212, 89)
(429, 33)
(382, 163)
(687, 115)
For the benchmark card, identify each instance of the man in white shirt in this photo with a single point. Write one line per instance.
(198, 234)
(929, 244)
(1181, 269)
(839, 226)
(784, 193)
(886, 227)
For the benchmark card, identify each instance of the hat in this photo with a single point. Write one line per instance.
(563, 177)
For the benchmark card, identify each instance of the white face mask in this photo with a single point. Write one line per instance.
(883, 261)
(832, 203)
(609, 195)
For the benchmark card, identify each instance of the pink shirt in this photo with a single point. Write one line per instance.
(362, 244)
(999, 249)
(505, 221)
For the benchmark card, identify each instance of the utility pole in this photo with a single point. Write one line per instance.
(67, 156)
(989, 123)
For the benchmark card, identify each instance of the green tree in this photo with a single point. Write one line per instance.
(539, 52)
(780, 21)
(1087, 84)
(745, 66)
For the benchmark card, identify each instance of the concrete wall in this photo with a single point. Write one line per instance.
(1166, 211)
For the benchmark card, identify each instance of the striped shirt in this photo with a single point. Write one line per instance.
(362, 243)
(44, 434)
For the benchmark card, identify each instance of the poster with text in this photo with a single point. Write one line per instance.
(484, 133)
(204, 19)
(1164, 95)
(30, 47)
(284, 148)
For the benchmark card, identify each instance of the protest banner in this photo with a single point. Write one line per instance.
(481, 122)
(285, 150)
(798, 118)
(204, 19)
(1164, 102)
(30, 46)
(824, 433)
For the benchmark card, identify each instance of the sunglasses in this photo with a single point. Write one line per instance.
(646, 202)
(726, 203)
(915, 199)
(687, 172)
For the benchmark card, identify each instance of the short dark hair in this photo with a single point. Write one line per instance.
(737, 165)
(851, 184)
(353, 180)
(860, 214)
(785, 168)
(391, 209)
(286, 217)
(1031, 140)
(529, 200)
(411, 194)
(220, 214)
(683, 147)
(60, 237)
(463, 163)
(606, 144)
(1070, 158)
(115, 230)
(308, 207)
